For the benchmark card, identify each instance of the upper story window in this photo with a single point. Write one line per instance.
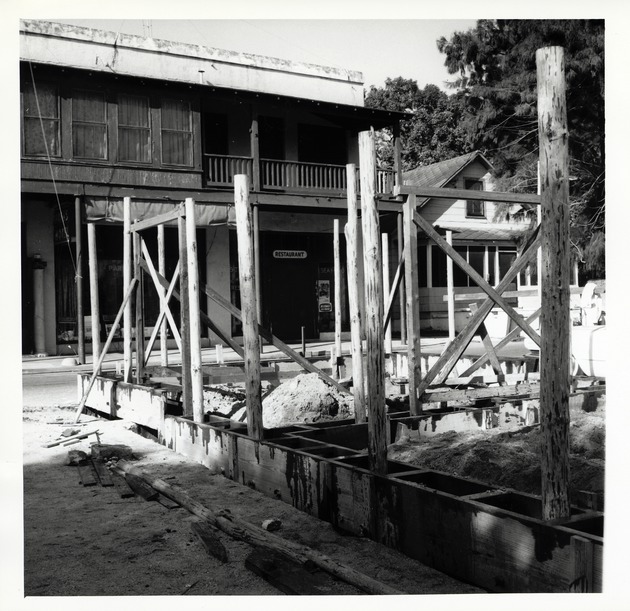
(134, 129)
(475, 208)
(41, 129)
(89, 125)
(271, 137)
(176, 133)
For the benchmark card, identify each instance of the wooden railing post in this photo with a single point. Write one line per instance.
(555, 315)
(95, 310)
(127, 267)
(352, 255)
(375, 393)
(196, 372)
(247, 278)
(413, 305)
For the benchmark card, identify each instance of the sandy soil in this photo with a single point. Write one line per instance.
(89, 541)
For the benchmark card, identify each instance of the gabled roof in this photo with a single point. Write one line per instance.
(441, 173)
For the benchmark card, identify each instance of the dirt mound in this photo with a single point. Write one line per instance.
(511, 458)
(305, 398)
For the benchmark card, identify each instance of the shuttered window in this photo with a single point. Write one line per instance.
(134, 129)
(41, 125)
(474, 208)
(89, 125)
(176, 133)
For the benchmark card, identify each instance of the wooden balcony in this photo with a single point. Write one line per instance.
(288, 176)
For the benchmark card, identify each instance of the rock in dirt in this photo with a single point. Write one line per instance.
(305, 398)
(75, 457)
(108, 451)
(272, 525)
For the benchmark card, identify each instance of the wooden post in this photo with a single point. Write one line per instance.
(352, 256)
(539, 219)
(337, 270)
(137, 272)
(397, 154)
(403, 317)
(127, 267)
(450, 289)
(375, 392)
(95, 310)
(78, 223)
(413, 304)
(162, 290)
(256, 232)
(386, 288)
(247, 278)
(555, 315)
(196, 372)
(184, 326)
(255, 152)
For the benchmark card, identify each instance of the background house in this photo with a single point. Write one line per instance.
(107, 115)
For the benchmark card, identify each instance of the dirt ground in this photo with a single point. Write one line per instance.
(88, 541)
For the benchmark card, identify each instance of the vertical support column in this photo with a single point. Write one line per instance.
(413, 304)
(137, 272)
(352, 255)
(78, 223)
(539, 219)
(196, 372)
(255, 152)
(397, 154)
(450, 289)
(401, 290)
(256, 231)
(39, 265)
(386, 289)
(337, 270)
(127, 265)
(247, 278)
(162, 270)
(375, 392)
(95, 310)
(555, 314)
(184, 316)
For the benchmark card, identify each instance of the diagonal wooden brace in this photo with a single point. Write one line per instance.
(481, 283)
(444, 365)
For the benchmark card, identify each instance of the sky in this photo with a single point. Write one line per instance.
(378, 48)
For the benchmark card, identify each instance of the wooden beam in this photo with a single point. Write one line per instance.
(487, 196)
(403, 317)
(555, 320)
(413, 304)
(272, 339)
(184, 317)
(504, 342)
(157, 220)
(78, 224)
(127, 274)
(247, 281)
(487, 344)
(337, 280)
(448, 359)
(398, 278)
(165, 311)
(474, 394)
(353, 269)
(386, 289)
(162, 294)
(95, 309)
(137, 272)
(574, 290)
(375, 361)
(450, 289)
(196, 374)
(108, 343)
(483, 285)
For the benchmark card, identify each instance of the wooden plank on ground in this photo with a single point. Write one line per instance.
(103, 473)
(208, 535)
(287, 575)
(166, 502)
(87, 473)
(122, 487)
(141, 488)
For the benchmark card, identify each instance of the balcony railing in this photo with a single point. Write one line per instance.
(288, 176)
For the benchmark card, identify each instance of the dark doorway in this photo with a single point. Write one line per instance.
(322, 144)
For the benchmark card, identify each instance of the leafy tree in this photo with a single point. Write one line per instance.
(432, 134)
(495, 64)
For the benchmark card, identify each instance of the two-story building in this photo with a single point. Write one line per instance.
(107, 116)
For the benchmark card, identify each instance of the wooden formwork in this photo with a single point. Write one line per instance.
(493, 538)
